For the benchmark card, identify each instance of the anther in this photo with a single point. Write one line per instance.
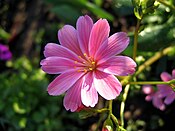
(90, 69)
(85, 70)
(93, 62)
(75, 62)
(78, 70)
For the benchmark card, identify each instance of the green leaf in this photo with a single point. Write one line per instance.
(98, 2)
(4, 35)
(123, 7)
(66, 13)
(157, 36)
(80, 5)
(138, 13)
(99, 11)
(108, 125)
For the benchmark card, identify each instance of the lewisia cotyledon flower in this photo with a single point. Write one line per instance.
(87, 63)
(5, 53)
(164, 94)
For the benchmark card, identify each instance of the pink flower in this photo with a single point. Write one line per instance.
(87, 63)
(153, 96)
(166, 91)
(164, 94)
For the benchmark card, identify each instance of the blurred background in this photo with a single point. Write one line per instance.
(26, 26)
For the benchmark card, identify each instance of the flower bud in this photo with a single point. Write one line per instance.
(108, 125)
(143, 7)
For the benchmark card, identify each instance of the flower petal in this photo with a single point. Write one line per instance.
(72, 99)
(170, 98)
(89, 94)
(115, 45)
(158, 102)
(165, 76)
(149, 97)
(68, 38)
(99, 33)
(56, 65)
(52, 49)
(163, 90)
(63, 82)
(84, 26)
(147, 89)
(107, 85)
(118, 65)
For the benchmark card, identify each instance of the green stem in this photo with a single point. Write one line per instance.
(171, 83)
(149, 62)
(154, 58)
(149, 83)
(166, 4)
(136, 33)
(99, 121)
(102, 115)
(110, 107)
(102, 110)
(112, 116)
(115, 120)
(122, 107)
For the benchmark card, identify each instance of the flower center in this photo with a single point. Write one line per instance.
(88, 64)
(91, 66)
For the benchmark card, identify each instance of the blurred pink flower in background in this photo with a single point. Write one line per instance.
(165, 90)
(153, 96)
(5, 53)
(87, 63)
(164, 94)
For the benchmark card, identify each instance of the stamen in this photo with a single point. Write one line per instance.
(88, 63)
(75, 67)
(78, 70)
(75, 62)
(85, 70)
(93, 62)
(90, 68)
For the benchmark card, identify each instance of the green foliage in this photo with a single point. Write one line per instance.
(62, 12)
(143, 7)
(157, 30)
(25, 103)
(108, 125)
(68, 10)
(122, 7)
(3, 34)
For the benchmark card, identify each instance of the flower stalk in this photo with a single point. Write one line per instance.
(170, 83)
(152, 82)
(110, 108)
(149, 62)
(122, 106)
(154, 58)
(136, 33)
